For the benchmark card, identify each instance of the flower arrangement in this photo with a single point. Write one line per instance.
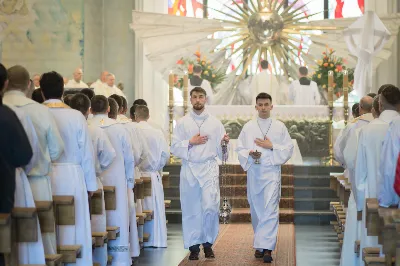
(331, 62)
(210, 73)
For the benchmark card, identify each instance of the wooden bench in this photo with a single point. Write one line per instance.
(97, 203)
(64, 210)
(26, 224)
(45, 213)
(70, 253)
(146, 237)
(5, 233)
(165, 179)
(147, 185)
(167, 204)
(139, 189)
(149, 214)
(110, 199)
(112, 232)
(100, 238)
(142, 217)
(54, 260)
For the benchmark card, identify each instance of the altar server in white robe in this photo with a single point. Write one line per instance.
(367, 178)
(387, 196)
(197, 81)
(137, 148)
(304, 91)
(104, 155)
(272, 139)
(73, 173)
(348, 146)
(51, 146)
(99, 83)
(157, 158)
(76, 82)
(263, 82)
(197, 141)
(119, 174)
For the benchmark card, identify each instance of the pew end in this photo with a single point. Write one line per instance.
(100, 238)
(54, 260)
(70, 253)
(5, 233)
(97, 202)
(110, 198)
(112, 232)
(26, 223)
(64, 209)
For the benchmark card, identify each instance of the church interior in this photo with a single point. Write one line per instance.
(110, 94)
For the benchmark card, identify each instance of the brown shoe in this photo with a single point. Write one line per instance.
(194, 255)
(209, 253)
(267, 256)
(259, 254)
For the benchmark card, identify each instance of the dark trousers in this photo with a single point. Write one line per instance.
(196, 248)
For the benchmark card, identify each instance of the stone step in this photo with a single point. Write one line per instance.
(238, 215)
(309, 204)
(314, 192)
(313, 217)
(240, 202)
(312, 181)
(231, 168)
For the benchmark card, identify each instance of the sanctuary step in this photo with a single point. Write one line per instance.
(305, 194)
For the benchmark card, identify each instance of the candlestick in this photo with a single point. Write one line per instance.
(330, 88)
(171, 88)
(346, 95)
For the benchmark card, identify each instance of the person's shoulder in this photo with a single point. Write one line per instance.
(249, 123)
(278, 122)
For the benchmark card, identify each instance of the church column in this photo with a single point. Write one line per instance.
(149, 84)
(388, 71)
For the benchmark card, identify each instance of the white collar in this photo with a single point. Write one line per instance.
(388, 115)
(102, 120)
(17, 98)
(202, 116)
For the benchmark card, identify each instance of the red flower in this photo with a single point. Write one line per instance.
(339, 68)
(197, 53)
(180, 62)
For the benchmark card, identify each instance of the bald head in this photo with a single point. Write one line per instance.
(110, 80)
(36, 80)
(103, 76)
(78, 73)
(18, 78)
(366, 105)
(142, 113)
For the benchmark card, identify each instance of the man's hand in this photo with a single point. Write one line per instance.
(225, 138)
(198, 140)
(255, 154)
(266, 144)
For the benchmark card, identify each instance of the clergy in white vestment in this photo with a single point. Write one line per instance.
(197, 140)
(119, 174)
(304, 91)
(350, 138)
(387, 196)
(100, 82)
(109, 87)
(73, 173)
(51, 145)
(140, 152)
(197, 81)
(36, 81)
(76, 82)
(264, 82)
(271, 138)
(28, 252)
(104, 155)
(367, 178)
(158, 154)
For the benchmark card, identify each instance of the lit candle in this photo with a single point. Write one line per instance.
(345, 88)
(171, 88)
(330, 88)
(185, 86)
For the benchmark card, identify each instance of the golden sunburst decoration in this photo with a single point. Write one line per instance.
(266, 29)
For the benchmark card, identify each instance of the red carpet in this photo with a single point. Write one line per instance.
(234, 246)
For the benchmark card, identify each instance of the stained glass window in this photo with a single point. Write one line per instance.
(186, 8)
(346, 8)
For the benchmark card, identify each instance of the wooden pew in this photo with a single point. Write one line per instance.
(69, 253)
(45, 212)
(25, 222)
(100, 238)
(147, 185)
(64, 210)
(110, 199)
(112, 232)
(97, 203)
(165, 179)
(54, 260)
(5, 233)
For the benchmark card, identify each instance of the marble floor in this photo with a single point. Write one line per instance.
(315, 246)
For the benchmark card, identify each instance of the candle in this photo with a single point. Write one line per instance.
(171, 88)
(345, 88)
(330, 88)
(185, 86)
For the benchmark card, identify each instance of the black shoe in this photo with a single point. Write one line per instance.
(259, 254)
(267, 256)
(209, 253)
(194, 255)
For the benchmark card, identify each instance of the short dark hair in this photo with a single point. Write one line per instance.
(375, 105)
(355, 109)
(372, 94)
(37, 95)
(3, 76)
(139, 102)
(52, 85)
(113, 108)
(142, 112)
(264, 64)
(303, 71)
(124, 103)
(197, 69)
(67, 99)
(199, 90)
(263, 95)
(99, 104)
(88, 92)
(80, 102)
(381, 88)
(391, 94)
(118, 99)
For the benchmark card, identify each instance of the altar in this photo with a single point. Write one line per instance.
(308, 126)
